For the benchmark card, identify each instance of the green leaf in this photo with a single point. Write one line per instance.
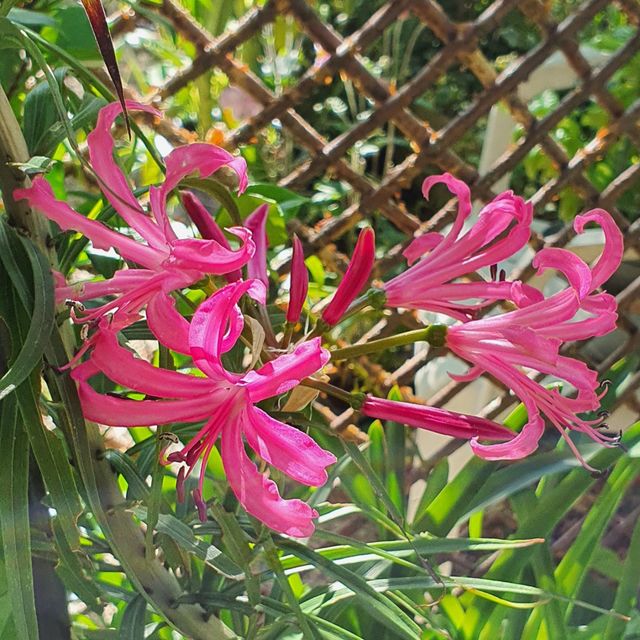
(185, 538)
(132, 625)
(378, 606)
(626, 594)
(574, 566)
(41, 314)
(36, 165)
(14, 520)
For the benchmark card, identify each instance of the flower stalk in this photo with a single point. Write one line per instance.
(434, 334)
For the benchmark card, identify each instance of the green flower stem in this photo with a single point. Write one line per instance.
(373, 297)
(329, 389)
(433, 334)
(289, 328)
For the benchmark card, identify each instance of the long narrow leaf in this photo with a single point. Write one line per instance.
(14, 521)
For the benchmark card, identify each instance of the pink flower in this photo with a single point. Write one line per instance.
(164, 262)
(225, 400)
(299, 282)
(355, 278)
(531, 337)
(439, 261)
(448, 423)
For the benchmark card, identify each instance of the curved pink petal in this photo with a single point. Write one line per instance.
(473, 373)
(210, 325)
(119, 412)
(299, 282)
(286, 371)
(574, 268)
(421, 245)
(113, 182)
(258, 495)
(287, 448)
(40, 197)
(166, 324)
(210, 257)
(462, 192)
(611, 256)
(356, 276)
(256, 222)
(197, 158)
(520, 446)
(123, 368)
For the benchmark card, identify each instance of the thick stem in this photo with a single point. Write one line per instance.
(13, 150)
(433, 334)
(159, 587)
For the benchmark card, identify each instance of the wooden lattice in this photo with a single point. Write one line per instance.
(432, 147)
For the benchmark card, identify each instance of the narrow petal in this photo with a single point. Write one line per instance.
(611, 256)
(520, 446)
(197, 158)
(119, 412)
(257, 224)
(299, 282)
(166, 324)
(286, 371)
(574, 268)
(114, 183)
(357, 275)
(462, 192)
(421, 245)
(203, 159)
(40, 197)
(210, 325)
(121, 281)
(258, 495)
(287, 448)
(210, 257)
(122, 367)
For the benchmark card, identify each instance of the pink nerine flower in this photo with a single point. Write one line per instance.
(502, 229)
(164, 262)
(358, 272)
(299, 282)
(225, 400)
(531, 337)
(447, 423)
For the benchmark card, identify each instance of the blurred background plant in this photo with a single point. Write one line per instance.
(406, 547)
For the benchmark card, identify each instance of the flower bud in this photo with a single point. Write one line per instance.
(354, 279)
(299, 282)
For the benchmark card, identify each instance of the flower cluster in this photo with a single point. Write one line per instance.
(443, 275)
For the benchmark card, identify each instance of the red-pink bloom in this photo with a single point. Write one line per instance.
(531, 337)
(355, 278)
(502, 229)
(256, 222)
(299, 282)
(447, 423)
(225, 400)
(163, 261)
